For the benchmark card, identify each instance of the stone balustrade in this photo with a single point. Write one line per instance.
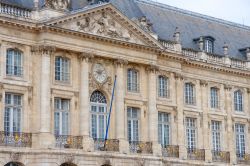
(68, 141)
(14, 11)
(170, 151)
(221, 156)
(168, 44)
(192, 54)
(16, 139)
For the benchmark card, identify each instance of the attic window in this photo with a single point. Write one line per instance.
(208, 45)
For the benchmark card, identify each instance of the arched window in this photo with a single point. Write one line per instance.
(238, 101)
(13, 164)
(132, 80)
(62, 69)
(189, 93)
(14, 65)
(98, 115)
(162, 86)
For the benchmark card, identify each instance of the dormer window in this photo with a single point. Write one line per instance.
(208, 46)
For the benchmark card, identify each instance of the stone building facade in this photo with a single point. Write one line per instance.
(182, 95)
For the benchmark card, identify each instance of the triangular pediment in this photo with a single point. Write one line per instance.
(105, 21)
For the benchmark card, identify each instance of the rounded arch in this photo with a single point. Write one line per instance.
(14, 164)
(98, 97)
(68, 164)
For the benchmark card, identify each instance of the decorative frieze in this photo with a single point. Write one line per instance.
(57, 4)
(152, 68)
(43, 49)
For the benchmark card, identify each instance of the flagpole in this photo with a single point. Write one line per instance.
(110, 110)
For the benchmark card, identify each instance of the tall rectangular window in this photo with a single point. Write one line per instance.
(62, 69)
(208, 46)
(163, 128)
(61, 116)
(216, 135)
(189, 93)
(238, 101)
(132, 80)
(14, 64)
(214, 98)
(12, 113)
(133, 124)
(240, 140)
(191, 133)
(163, 86)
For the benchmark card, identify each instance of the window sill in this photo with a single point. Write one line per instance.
(13, 77)
(62, 83)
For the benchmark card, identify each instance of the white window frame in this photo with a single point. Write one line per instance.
(238, 101)
(14, 62)
(63, 112)
(164, 130)
(208, 45)
(214, 98)
(240, 140)
(133, 80)
(135, 133)
(13, 107)
(189, 93)
(216, 135)
(62, 71)
(163, 89)
(98, 100)
(191, 133)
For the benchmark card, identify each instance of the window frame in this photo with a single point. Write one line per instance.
(164, 125)
(132, 120)
(214, 100)
(239, 134)
(163, 86)
(15, 61)
(133, 84)
(216, 134)
(189, 96)
(191, 129)
(62, 72)
(238, 101)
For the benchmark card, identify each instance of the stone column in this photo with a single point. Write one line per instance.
(230, 134)
(88, 144)
(120, 107)
(46, 137)
(180, 116)
(206, 132)
(152, 110)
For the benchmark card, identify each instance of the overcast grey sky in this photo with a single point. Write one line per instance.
(232, 10)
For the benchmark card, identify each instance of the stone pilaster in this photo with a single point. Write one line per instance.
(46, 137)
(88, 144)
(119, 106)
(152, 110)
(180, 117)
(206, 133)
(230, 134)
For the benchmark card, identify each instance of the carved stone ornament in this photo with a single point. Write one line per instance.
(144, 23)
(44, 49)
(68, 158)
(15, 156)
(58, 4)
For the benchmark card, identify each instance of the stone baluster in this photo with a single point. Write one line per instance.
(180, 116)
(88, 144)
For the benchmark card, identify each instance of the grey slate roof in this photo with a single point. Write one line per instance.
(166, 18)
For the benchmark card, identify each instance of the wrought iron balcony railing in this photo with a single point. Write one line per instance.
(221, 156)
(16, 139)
(196, 154)
(140, 147)
(110, 144)
(67, 141)
(170, 151)
(243, 158)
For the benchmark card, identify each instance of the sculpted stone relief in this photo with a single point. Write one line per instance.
(58, 4)
(103, 25)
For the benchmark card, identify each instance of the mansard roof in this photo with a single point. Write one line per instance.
(165, 19)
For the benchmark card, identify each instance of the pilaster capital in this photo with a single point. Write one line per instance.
(120, 62)
(203, 83)
(43, 49)
(84, 56)
(152, 68)
(228, 87)
(178, 76)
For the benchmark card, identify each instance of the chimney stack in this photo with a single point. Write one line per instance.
(225, 49)
(177, 35)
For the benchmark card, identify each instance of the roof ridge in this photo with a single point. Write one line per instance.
(195, 14)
